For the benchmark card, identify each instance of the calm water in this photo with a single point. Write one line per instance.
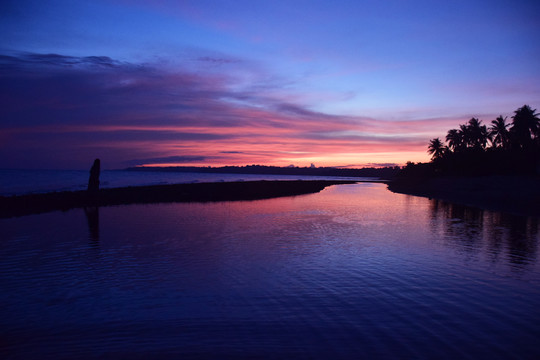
(352, 272)
(18, 182)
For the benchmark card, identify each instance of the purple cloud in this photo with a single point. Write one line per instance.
(168, 160)
(56, 108)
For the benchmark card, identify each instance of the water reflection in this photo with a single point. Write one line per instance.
(92, 217)
(471, 229)
(354, 269)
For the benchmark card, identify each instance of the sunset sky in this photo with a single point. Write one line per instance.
(211, 83)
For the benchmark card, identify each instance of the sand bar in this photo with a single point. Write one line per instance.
(13, 206)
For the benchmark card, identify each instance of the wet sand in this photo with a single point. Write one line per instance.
(199, 192)
(513, 194)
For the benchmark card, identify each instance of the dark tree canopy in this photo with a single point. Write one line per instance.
(525, 127)
(436, 148)
(473, 149)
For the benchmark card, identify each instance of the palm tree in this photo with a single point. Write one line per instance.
(478, 134)
(499, 132)
(436, 148)
(525, 126)
(466, 133)
(455, 139)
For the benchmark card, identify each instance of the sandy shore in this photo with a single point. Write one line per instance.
(200, 192)
(514, 194)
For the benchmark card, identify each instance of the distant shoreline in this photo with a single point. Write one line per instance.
(513, 194)
(381, 173)
(21, 205)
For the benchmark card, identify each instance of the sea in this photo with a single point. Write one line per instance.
(352, 272)
(21, 181)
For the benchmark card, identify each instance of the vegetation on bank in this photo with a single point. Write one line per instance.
(473, 149)
(493, 167)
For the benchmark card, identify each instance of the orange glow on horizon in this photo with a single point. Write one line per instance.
(337, 160)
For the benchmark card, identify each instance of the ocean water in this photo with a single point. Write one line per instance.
(18, 182)
(352, 272)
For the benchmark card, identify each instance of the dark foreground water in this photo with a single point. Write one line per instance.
(354, 272)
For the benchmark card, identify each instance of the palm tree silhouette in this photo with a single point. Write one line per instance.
(477, 134)
(515, 146)
(525, 126)
(499, 132)
(465, 132)
(455, 139)
(436, 148)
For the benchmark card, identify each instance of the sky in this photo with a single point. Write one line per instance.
(212, 83)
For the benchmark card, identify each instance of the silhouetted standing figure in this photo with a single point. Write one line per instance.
(93, 181)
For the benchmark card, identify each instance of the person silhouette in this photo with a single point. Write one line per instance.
(93, 181)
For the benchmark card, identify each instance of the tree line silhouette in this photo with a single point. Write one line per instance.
(505, 148)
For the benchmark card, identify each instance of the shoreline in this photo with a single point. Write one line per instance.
(22, 205)
(519, 195)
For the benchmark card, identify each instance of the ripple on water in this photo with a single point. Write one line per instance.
(351, 271)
